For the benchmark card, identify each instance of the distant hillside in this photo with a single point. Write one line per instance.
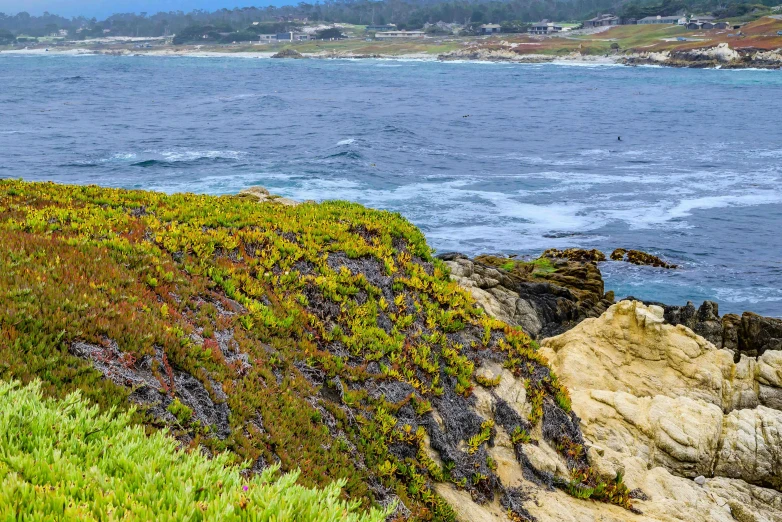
(406, 14)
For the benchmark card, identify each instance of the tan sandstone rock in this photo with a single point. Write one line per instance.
(666, 406)
(264, 196)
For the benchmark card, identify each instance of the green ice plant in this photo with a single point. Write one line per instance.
(63, 460)
(193, 280)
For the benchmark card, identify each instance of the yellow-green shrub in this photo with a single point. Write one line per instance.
(63, 460)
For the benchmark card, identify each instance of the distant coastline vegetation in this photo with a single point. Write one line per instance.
(245, 24)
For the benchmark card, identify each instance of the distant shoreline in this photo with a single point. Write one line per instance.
(633, 59)
(716, 53)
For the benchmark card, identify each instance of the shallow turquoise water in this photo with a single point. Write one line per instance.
(483, 157)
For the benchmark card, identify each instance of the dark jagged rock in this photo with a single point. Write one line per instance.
(757, 334)
(749, 334)
(545, 297)
(288, 53)
(578, 255)
(638, 257)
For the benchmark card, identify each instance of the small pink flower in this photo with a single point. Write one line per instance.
(246, 488)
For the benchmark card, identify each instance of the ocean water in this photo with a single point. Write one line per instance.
(483, 157)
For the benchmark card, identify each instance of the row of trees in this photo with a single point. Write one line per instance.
(405, 13)
(409, 14)
(224, 33)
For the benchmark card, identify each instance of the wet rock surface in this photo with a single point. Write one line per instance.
(637, 257)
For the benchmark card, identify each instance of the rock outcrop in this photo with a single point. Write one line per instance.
(699, 434)
(719, 56)
(289, 53)
(576, 254)
(544, 298)
(748, 334)
(264, 196)
(637, 257)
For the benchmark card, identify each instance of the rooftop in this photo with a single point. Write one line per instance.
(658, 17)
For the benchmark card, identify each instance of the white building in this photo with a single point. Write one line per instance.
(399, 35)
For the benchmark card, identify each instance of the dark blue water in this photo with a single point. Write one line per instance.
(483, 157)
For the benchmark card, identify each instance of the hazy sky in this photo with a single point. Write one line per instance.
(103, 8)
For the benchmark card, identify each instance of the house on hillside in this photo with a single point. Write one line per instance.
(373, 28)
(545, 27)
(702, 18)
(602, 21)
(399, 35)
(695, 25)
(293, 37)
(285, 37)
(490, 29)
(673, 20)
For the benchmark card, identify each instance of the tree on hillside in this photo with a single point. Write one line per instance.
(333, 33)
(6, 37)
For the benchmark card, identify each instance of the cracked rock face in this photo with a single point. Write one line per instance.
(665, 406)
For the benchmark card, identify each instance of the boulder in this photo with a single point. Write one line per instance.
(288, 53)
(638, 257)
(263, 196)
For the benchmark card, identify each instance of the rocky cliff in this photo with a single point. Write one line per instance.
(693, 423)
(720, 56)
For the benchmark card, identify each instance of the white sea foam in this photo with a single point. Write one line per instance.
(348, 141)
(123, 156)
(749, 295)
(640, 216)
(174, 156)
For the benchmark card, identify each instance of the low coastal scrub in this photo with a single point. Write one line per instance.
(64, 460)
(320, 337)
